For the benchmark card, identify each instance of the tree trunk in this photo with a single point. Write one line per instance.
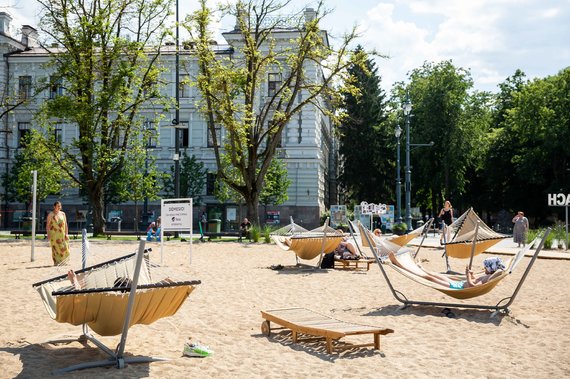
(96, 199)
(252, 204)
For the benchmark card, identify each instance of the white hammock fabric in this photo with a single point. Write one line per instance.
(462, 231)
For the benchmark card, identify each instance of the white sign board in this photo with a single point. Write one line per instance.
(558, 199)
(176, 215)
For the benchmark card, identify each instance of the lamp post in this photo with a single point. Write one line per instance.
(176, 120)
(408, 173)
(397, 133)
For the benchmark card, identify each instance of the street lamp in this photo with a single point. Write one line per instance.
(398, 133)
(407, 108)
(176, 120)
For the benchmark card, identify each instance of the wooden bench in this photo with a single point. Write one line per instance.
(354, 263)
(211, 235)
(28, 233)
(305, 321)
(110, 233)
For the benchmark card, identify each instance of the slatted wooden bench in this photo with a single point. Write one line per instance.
(26, 233)
(354, 263)
(305, 321)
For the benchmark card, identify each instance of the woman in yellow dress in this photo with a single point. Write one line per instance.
(57, 234)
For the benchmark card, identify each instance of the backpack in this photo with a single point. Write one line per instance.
(328, 261)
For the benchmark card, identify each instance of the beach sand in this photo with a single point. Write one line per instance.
(237, 283)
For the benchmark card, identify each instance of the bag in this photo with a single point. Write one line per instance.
(328, 260)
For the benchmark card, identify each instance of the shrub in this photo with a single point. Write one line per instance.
(255, 233)
(399, 228)
(267, 229)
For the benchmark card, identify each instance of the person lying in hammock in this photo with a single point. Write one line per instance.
(345, 249)
(119, 282)
(492, 266)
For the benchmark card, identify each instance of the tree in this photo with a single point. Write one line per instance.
(192, 178)
(18, 180)
(108, 65)
(231, 88)
(275, 185)
(367, 169)
(439, 94)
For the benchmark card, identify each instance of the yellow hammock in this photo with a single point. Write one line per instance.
(103, 307)
(463, 232)
(401, 260)
(398, 240)
(308, 247)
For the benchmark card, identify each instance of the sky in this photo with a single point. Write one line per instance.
(491, 38)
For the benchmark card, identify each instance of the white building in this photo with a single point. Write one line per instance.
(308, 147)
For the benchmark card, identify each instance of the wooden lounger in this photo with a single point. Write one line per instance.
(305, 321)
(354, 263)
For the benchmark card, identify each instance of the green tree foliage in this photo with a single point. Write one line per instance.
(192, 179)
(33, 157)
(366, 138)
(234, 91)
(534, 143)
(108, 65)
(439, 94)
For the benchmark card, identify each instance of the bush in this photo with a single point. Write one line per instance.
(255, 233)
(267, 229)
(400, 228)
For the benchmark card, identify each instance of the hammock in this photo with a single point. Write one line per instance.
(405, 238)
(307, 244)
(469, 228)
(108, 307)
(401, 260)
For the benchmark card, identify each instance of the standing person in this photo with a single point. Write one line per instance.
(520, 229)
(244, 228)
(446, 216)
(56, 227)
(203, 224)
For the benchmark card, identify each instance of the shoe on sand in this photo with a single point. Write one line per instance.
(196, 350)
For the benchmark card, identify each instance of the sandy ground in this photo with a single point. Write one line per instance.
(533, 341)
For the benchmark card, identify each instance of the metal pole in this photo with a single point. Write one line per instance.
(566, 245)
(177, 112)
(408, 173)
(34, 190)
(398, 183)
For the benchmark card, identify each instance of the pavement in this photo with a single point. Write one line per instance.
(504, 247)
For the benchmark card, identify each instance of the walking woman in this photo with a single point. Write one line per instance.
(57, 234)
(520, 228)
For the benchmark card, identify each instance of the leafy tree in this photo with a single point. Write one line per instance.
(234, 94)
(439, 94)
(276, 184)
(367, 169)
(108, 65)
(192, 178)
(33, 157)
(538, 128)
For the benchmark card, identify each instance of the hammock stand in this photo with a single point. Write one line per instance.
(501, 306)
(307, 244)
(421, 231)
(116, 358)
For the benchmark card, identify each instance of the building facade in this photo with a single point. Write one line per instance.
(308, 148)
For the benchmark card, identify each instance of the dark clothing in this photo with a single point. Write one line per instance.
(447, 217)
(244, 229)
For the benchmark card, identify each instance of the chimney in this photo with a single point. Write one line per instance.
(29, 36)
(5, 19)
(310, 14)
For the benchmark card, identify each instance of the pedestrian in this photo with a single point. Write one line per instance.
(244, 228)
(446, 217)
(520, 228)
(57, 229)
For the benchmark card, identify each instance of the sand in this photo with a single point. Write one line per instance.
(533, 341)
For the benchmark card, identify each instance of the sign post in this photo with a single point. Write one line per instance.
(176, 215)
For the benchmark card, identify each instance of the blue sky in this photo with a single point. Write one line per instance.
(492, 38)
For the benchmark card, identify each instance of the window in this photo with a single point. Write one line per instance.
(183, 135)
(58, 133)
(23, 130)
(273, 84)
(218, 131)
(184, 86)
(55, 87)
(210, 183)
(25, 87)
(150, 133)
